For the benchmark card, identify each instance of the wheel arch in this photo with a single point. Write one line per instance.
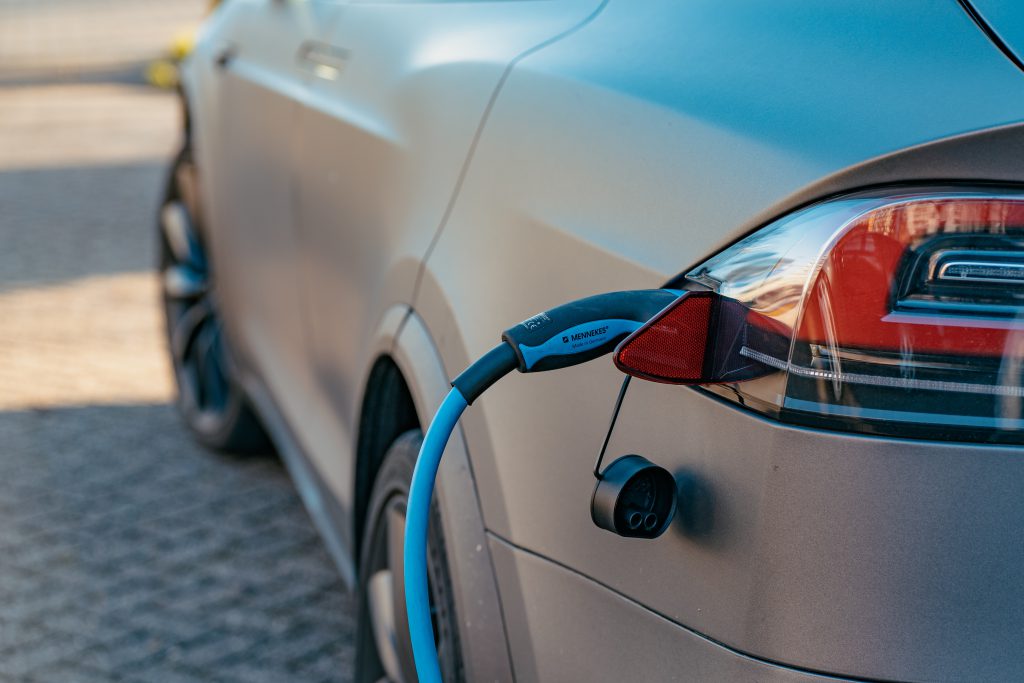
(387, 412)
(407, 366)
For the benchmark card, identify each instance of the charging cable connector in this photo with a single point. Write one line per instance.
(568, 335)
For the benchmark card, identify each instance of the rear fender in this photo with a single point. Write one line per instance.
(482, 629)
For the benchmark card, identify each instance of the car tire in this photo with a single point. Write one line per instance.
(210, 399)
(383, 652)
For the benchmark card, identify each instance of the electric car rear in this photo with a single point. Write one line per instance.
(369, 192)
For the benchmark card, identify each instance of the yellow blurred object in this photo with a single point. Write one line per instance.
(162, 73)
(182, 44)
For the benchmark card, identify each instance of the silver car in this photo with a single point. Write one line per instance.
(369, 191)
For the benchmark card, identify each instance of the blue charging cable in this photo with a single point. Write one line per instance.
(568, 335)
(417, 594)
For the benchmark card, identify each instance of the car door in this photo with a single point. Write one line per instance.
(400, 90)
(258, 81)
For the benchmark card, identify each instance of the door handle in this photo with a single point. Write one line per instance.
(224, 56)
(323, 60)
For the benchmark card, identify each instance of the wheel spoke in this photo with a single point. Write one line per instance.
(380, 596)
(395, 530)
(188, 382)
(199, 353)
(180, 234)
(217, 352)
(182, 282)
(211, 379)
(185, 176)
(187, 327)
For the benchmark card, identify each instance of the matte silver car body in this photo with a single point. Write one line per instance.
(409, 178)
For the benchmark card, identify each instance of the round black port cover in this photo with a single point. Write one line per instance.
(634, 498)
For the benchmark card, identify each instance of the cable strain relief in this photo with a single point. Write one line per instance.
(492, 366)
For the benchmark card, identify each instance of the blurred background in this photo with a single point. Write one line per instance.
(127, 553)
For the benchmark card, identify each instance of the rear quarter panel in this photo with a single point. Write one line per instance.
(635, 148)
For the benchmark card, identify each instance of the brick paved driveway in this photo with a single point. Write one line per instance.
(126, 552)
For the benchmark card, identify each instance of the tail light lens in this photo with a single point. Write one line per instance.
(880, 313)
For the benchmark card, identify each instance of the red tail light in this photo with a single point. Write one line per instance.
(673, 345)
(857, 299)
(891, 314)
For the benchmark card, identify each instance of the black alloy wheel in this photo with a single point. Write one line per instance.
(213, 405)
(383, 652)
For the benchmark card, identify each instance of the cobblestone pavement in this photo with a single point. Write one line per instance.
(127, 553)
